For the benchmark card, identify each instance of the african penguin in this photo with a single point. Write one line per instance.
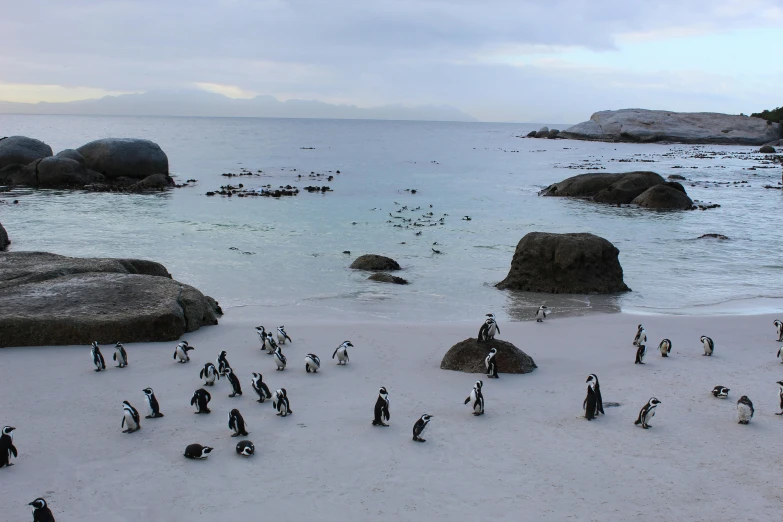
(640, 353)
(97, 357)
(222, 363)
(490, 363)
(420, 426)
(261, 388)
(599, 402)
(312, 363)
(41, 512)
(590, 402)
(541, 314)
(281, 404)
(152, 404)
(271, 345)
(200, 399)
(780, 397)
(647, 413)
(744, 410)
(280, 359)
(197, 451)
(282, 337)
(234, 380)
(381, 408)
(342, 352)
(181, 352)
(237, 423)
(665, 348)
(120, 355)
(261, 331)
(780, 354)
(779, 328)
(641, 336)
(721, 392)
(709, 346)
(7, 448)
(245, 448)
(209, 373)
(488, 329)
(477, 398)
(130, 417)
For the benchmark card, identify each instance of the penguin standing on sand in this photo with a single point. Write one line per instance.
(312, 363)
(271, 345)
(477, 398)
(209, 373)
(261, 388)
(665, 348)
(197, 451)
(640, 353)
(222, 363)
(420, 426)
(282, 337)
(381, 408)
(647, 413)
(97, 357)
(744, 410)
(7, 448)
(181, 352)
(234, 380)
(541, 314)
(709, 346)
(780, 397)
(261, 331)
(721, 392)
(281, 404)
(41, 512)
(589, 404)
(200, 399)
(780, 354)
(490, 363)
(120, 355)
(779, 329)
(237, 423)
(342, 352)
(130, 417)
(488, 329)
(599, 402)
(152, 404)
(641, 336)
(245, 448)
(280, 359)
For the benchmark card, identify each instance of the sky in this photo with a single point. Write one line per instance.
(498, 60)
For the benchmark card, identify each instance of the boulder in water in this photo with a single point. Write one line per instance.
(4, 241)
(670, 196)
(21, 150)
(129, 157)
(614, 189)
(468, 356)
(71, 154)
(767, 149)
(383, 277)
(375, 262)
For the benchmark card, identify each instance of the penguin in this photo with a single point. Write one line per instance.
(590, 402)
(130, 417)
(342, 352)
(640, 353)
(489, 362)
(197, 451)
(599, 402)
(234, 380)
(282, 337)
(245, 448)
(280, 359)
(222, 363)
(41, 512)
(7, 447)
(647, 413)
(779, 328)
(420, 426)
(120, 355)
(181, 352)
(709, 346)
(281, 404)
(665, 348)
(200, 399)
(477, 398)
(97, 357)
(541, 314)
(780, 354)
(312, 363)
(641, 336)
(152, 404)
(237, 423)
(721, 392)
(209, 373)
(744, 410)
(261, 388)
(271, 345)
(381, 408)
(780, 397)
(261, 331)
(488, 329)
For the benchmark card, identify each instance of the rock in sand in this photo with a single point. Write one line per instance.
(468, 356)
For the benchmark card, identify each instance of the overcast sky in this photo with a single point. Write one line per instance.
(499, 60)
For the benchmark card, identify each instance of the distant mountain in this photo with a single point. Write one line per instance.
(202, 103)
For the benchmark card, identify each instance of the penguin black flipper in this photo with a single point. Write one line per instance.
(483, 332)
(467, 400)
(12, 449)
(335, 351)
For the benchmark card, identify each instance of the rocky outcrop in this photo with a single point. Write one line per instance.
(21, 150)
(719, 237)
(565, 264)
(58, 172)
(383, 277)
(468, 356)
(4, 241)
(71, 154)
(128, 157)
(375, 263)
(646, 126)
(666, 196)
(767, 149)
(47, 299)
(605, 188)
(544, 133)
(156, 181)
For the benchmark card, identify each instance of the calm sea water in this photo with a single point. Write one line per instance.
(288, 252)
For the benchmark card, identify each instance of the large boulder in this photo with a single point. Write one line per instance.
(646, 126)
(129, 157)
(383, 277)
(21, 150)
(543, 132)
(664, 196)
(767, 149)
(4, 241)
(58, 172)
(565, 264)
(47, 299)
(71, 154)
(619, 188)
(468, 356)
(375, 262)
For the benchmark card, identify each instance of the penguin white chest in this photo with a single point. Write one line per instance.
(129, 421)
(649, 415)
(744, 413)
(149, 404)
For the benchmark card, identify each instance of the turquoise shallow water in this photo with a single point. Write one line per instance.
(479, 170)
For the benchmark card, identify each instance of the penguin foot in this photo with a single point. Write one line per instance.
(97, 370)
(664, 355)
(235, 435)
(781, 413)
(232, 394)
(539, 321)
(149, 417)
(421, 440)
(646, 426)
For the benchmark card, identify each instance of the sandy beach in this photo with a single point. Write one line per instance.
(531, 457)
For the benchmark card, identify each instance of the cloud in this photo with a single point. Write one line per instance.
(32, 93)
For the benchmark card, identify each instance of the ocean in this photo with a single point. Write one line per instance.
(265, 254)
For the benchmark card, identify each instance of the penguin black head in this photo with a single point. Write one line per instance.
(127, 404)
(147, 391)
(206, 450)
(493, 351)
(479, 384)
(223, 353)
(257, 376)
(38, 503)
(8, 429)
(654, 402)
(348, 343)
(260, 328)
(780, 383)
(118, 344)
(283, 392)
(228, 370)
(95, 345)
(426, 417)
(234, 413)
(245, 448)
(383, 391)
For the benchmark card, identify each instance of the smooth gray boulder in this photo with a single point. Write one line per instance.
(767, 149)
(375, 262)
(664, 196)
(468, 356)
(565, 264)
(646, 126)
(4, 241)
(47, 299)
(605, 188)
(58, 172)
(383, 277)
(21, 150)
(543, 132)
(129, 157)
(71, 154)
